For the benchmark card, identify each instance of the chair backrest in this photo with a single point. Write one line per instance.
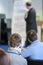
(35, 62)
(5, 47)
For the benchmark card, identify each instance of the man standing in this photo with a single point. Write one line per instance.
(30, 18)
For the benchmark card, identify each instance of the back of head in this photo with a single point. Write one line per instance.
(32, 35)
(28, 2)
(14, 40)
(4, 60)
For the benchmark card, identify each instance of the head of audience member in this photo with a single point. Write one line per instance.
(4, 59)
(14, 40)
(28, 4)
(32, 36)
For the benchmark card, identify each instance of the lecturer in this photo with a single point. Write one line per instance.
(30, 18)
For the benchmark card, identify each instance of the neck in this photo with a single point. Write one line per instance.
(16, 48)
(30, 7)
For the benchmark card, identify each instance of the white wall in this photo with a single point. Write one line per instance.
(18, 23)
(37, 4)
(6, 7)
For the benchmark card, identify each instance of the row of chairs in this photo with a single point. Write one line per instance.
(5, 47)
(35, 62)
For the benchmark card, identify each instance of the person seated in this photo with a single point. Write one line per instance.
(35, 50)
(4, 59)
(14, 43)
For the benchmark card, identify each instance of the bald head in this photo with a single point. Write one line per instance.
(4, 59)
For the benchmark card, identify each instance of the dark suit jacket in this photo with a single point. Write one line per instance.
(31, 20)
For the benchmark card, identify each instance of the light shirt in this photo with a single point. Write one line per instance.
(26, 14)
(34, 51)
(15, 57)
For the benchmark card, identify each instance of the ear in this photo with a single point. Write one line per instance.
(8, 43)
(29, 40)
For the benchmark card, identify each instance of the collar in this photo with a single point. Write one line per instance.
(13, 50)
(35, 42)
(29, 8)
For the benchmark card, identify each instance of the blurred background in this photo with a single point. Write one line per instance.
(12, 19)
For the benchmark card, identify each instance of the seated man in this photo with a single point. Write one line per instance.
(4, 59)
(14, 50)
(35, 50)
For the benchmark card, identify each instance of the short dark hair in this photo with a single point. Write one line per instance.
(32, 35)
(28, 4)
(15, 40)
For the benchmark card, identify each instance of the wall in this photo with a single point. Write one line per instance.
(37, 4)
(42, 9)
(6, 7)
(18, 23)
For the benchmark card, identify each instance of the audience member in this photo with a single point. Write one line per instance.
(4, 59)
(15, 56)
(35, 50)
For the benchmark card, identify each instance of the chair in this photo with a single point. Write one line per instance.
(35, 62)
(5, 47)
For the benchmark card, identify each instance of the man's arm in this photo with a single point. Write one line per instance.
(26, 52)
(32, 16)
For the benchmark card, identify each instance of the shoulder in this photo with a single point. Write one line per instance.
(32, 10)
(23, 59)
